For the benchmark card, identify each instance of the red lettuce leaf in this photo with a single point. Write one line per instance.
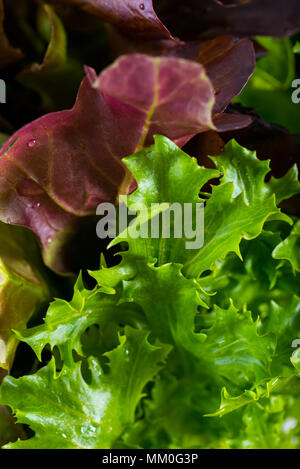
(136, 17)
(226, 122)
(228, 62)
(56, 170)
(193, 19)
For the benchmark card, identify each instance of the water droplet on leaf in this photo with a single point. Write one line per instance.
(142, 6)
(87, 430)
(31, 143)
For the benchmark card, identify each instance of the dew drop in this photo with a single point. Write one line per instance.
(217, 91)
(142, 6)
(49, 239)
(36, 205)
(87, 430)
(31, 143)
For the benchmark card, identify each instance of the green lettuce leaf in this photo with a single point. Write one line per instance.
(72, 412)
(287, 186)
(228, 322)
(256, 281)
(66, 322)
(236, 209)
(236, 351)
(269, 89)
(290, 248)
(274, 425)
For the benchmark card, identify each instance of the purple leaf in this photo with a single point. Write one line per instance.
(226, 122)
(135, 17)
(193, 19)
(56, 170)
(228, 62)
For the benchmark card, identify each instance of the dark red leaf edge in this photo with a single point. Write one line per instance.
(135, 17)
